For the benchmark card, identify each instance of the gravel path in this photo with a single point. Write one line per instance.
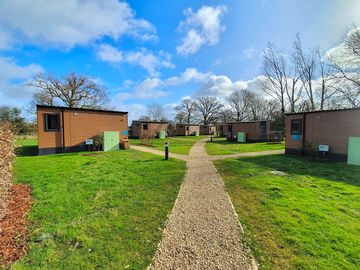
(203, 231)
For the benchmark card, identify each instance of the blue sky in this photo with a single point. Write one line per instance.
(158, 51)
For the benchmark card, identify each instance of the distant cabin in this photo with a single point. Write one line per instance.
(207, 129)
(187, 129)
(222, 130)
(150, 129)
(63, 129)
(331, 134)
(256, 131)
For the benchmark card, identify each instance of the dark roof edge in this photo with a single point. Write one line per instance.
(188, 124)
(77, 109)
(324, 111)
(151, 122)
(247, 122)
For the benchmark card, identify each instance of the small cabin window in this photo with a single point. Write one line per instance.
(145, 126)
(187, 128)
(296, 127)
(52, 122)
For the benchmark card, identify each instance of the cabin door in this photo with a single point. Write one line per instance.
(262, 131)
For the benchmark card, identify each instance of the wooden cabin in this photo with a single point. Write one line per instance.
(187, 129)
(207, 130)
(256, 131)
(63, 129)
(326, 134)
(150, 129)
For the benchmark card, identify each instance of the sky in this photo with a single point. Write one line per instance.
(158, 51)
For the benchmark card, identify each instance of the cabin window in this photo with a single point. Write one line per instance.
(145, 126)
(187, 128)
(230, 128)
(52, 122)
(296, 127)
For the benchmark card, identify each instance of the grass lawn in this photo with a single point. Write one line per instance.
(220, 146)
(97, 210)
(308, 218)
(177, 145)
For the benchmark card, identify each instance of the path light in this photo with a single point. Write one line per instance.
(166, 151)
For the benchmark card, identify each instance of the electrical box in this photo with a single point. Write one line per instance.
(111, 141)
(197, 133)
(162, 134)
(241, 137)
(354, 151)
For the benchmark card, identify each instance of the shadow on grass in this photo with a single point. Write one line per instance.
(334, 171)
(225, 142)
(26, 151)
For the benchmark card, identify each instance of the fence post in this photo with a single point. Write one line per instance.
(166, 151)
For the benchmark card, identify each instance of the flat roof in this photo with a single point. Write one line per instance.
(325, 111)
(188, 124)
(150, 122)
(77, 109)
(247, 122)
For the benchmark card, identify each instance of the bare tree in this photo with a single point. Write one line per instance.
(155, 112)
(188, 107)
(226, 116)
(181, 118)
(347, 66)
(306, 65)
(239, 101)
(274, 69)
(208, 108)
(73, 91)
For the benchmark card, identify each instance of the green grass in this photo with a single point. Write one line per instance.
(97, 210)
(177, 145)
(220, 146)
(306, 219)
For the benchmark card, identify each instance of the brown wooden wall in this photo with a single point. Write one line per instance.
(207, 129)
(252, 130)
(153, 128)
(332, 128)
(79, 125)
(181, 129)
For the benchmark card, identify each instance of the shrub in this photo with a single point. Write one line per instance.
(7, 156)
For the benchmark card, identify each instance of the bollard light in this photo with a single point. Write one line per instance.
(166, 151)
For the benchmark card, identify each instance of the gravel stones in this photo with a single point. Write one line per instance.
(202, 231)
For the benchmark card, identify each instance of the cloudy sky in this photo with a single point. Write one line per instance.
(158, 51)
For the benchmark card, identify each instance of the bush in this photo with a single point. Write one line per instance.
(7, 156)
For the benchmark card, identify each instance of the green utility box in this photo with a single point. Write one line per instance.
(354, 151)
(241, 137)
(111, 141)
(197, 133)
(162, 134)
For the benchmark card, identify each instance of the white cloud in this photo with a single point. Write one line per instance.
(144, 58)
(66, 24)
(110, 54)
(220, 86)
(201, 28)
(150, 88)
(12, 77)
(189, 75)
(248, 52)
(339, 53)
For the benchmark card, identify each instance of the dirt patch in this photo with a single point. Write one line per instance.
(13, 227)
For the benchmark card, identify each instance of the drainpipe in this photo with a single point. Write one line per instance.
(303, 135)
(63, 130)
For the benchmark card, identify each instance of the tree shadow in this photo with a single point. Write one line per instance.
(330, 170)
(26, 151)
